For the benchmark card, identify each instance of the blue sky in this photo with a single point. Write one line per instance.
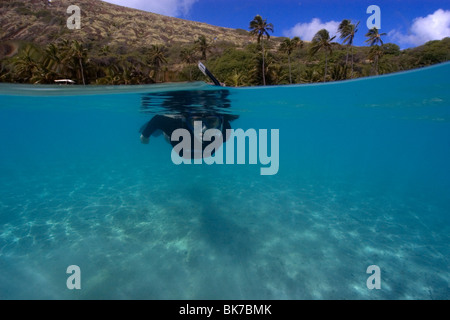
(408, 23)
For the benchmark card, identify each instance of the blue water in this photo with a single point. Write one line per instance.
(364, 179)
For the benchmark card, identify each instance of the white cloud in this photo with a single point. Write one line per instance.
(435, 26)
(306, 31)
(173, 8)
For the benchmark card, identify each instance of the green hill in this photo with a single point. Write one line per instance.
(43, 22)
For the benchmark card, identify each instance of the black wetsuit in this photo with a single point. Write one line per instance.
(168, 125)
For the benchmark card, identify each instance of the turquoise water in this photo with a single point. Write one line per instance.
(364, 179)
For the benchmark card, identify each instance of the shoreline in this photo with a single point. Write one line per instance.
(94, 89)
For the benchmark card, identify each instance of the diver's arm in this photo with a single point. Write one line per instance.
(163, 123)
(151, 127)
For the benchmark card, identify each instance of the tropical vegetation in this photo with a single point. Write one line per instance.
(322, 41)
(347, 31)
(260, 28)
(266, 61)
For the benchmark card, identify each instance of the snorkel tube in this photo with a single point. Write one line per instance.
(208, 73)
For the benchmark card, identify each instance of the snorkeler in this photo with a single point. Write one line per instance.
(167, 124)
(194, 111)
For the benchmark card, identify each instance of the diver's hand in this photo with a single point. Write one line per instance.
(144, 140)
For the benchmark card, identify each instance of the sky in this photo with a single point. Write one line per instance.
(408, 23)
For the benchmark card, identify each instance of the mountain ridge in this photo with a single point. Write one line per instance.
(43, 22)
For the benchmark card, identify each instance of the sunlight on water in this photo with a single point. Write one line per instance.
(364, 180)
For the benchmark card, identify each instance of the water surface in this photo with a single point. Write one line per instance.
(364, 180)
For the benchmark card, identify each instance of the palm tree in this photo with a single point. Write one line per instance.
(3, 72)
(375, 40)
(43, 75)
(157, 57)
(79, 53)
(344, 31)
(65, 46)
(203, 46)
(374, 37)
(237, 78)
(260, 28)
(310, 76)
(187, 55)
(348, 31)
(376, 52)
(322, 41)
(26, 63)
(288, 46)
(54, 59)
